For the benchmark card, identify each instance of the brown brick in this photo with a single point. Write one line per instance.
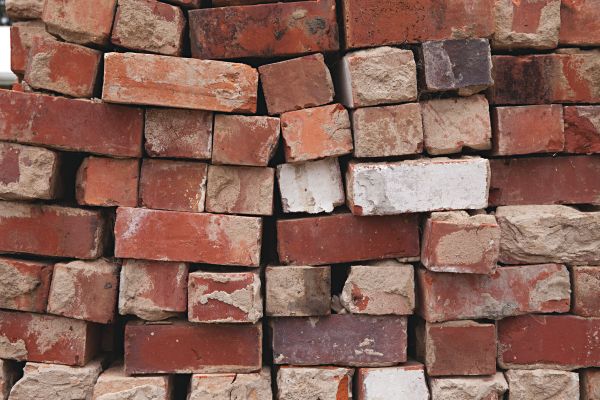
(108, 182)
(24, 285)
(582, 129)
(586, 290)
(580, 22)
(24, 9)
(21, 39)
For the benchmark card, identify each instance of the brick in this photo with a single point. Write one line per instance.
(528, 129)
(339, 339)
(59, 231)
(469, 387)
(24, 9)
(522, 181)
(516, 290)
(580, 23)
(56, 122)
(115, 384)
(183, 347)
(590, 384)
(295, 28)
(9, 374)
(403, 382)
(22, 35)
(316, 241)
(462, 65)
(401, 186)
(153, 290)
(245, 140)
(240, 190)
(374, 23)
(108, 182)
(377, 76)
(538, 341)
(179, 82)
(387, 288)
(582, 129)
(224, 297)
(312, 186)
(86, 290)
(387, 131)
(226, 3)
(449, 125)
(540, 383)
(527, 24)
(173, 185)
(296, 84)
(201, 238)
(87, 22)
(586, 291)
(28, 172)
(316, 133)
(223, 386)
(47, 338)
(24, 284)
(297, 291)
(457, 348)
(327, 383)
(459, 243)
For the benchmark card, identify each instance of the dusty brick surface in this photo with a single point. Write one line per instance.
(405, 381)
(108, 182)
(22, 36)
(24, 9)
(113, 383)
(223, 386)
(24, 285)
(327, 383)
(586, 290)
(582, 129)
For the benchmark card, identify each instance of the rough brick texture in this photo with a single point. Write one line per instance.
(24, 285)
(108, 182)
(582, 129)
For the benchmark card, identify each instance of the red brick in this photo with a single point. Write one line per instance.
(295, 84)
(47, 338)
(515, 290)
(181, 347)
(580, 22)
(590, 384)
(179, 82)
(201, 238)
(187, 3)
(582, 129)
(57, 122)
(457, 348)
(21, 39)
(173, 185)
(245, 140)
(51, 230)
(339, 339)
(24, 285)
(520, 181)
(586, 290)
(108, 182)
(344, 237)
(24, 9)
(226, 3)
(293, 28)
(549, 341)
(62, 67)
(371, 23)
(527, 129)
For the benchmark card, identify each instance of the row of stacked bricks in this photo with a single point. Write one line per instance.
(372, 200)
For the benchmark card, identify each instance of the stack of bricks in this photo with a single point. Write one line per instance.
(316, 200)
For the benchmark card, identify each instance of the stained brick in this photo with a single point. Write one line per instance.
(108, 182)
(24, 285)
(582, 129)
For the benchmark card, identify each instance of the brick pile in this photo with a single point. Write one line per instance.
(316, 200)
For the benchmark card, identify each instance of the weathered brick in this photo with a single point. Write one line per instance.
(9, 374)
(469, 387)
(235, 32)
(24, 285)
(586, 290)
(22, 35)
(179, 82)
(108, 182)
(327, 383)
(24, 9)
(201, 238)
(183, 347)
(590, 384)
(542, 383)
(173, 185)
(114, 384)
(224, 386)
(226, 3)
(515, 290)
(582, 129)
(403, 382)
(580, 22)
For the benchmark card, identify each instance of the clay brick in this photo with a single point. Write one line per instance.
(28, 172)
(316, 241)
(590, 384)
(59, 231)
(24, 285)
(173, 185)
(542, 383)
(47, 338)
(296, 84)
(24, 9)
(21, 39)
(415, 185)
(201, 238)
(327, 383)
(115, 384)
(57, 122)
(375, 23)
(315, 133)
(298, 291)
(403, 382)
(226, 3)
(387, 131)
(9, 374)
(339, 339)
(538, 341)
(240, 190)
(469, 387)
(108, 182)
(526, 24)
(516, 290)
(179, 82)
(459, 243)
(377, 76)
(224, 386)
(233, 297)
(582, 129)
(521, 181)
(153, 290)
(457, 348)
(449, 125)
(586, 291)
(235, 32)
(183, 347)
(528, 129)
(580, 23)
(85, 22)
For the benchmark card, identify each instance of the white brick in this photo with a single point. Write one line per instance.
(468, 388)
(542, 384)
(404, 382)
